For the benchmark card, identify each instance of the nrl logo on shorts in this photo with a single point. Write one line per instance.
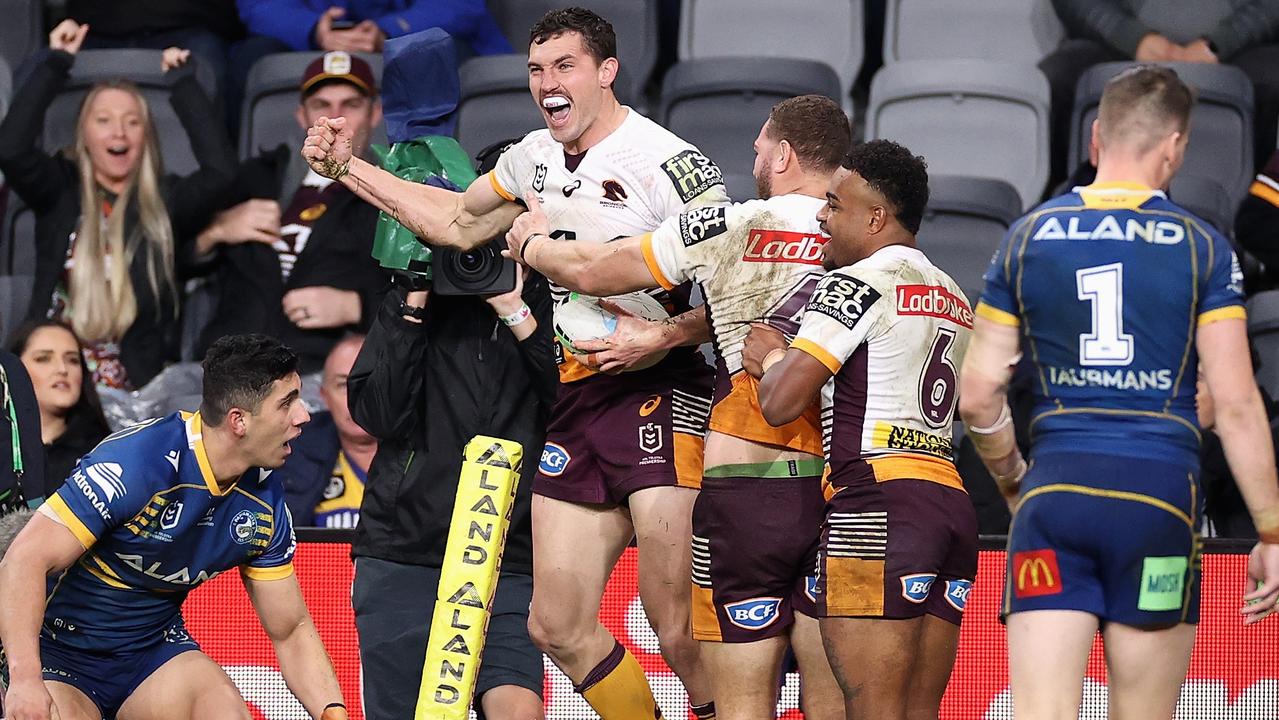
(650, 437)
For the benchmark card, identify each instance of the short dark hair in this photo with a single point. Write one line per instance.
(1143, 104)
(816, 127)
(238, 372)
(896, 174)
(597, 33)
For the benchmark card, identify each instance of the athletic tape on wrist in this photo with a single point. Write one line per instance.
(1267, 523)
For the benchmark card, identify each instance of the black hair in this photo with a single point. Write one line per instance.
(896, 174)
(597, 33)
(89, 405)
(239, 371)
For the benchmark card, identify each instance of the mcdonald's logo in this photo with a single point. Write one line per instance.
(1036, 573)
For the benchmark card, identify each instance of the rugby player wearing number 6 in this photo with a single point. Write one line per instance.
(1120, 298)
(880, 342)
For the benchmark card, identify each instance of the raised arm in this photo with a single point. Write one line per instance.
(437, 216)
(304, 662)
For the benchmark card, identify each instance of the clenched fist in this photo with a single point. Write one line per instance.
(328, 147)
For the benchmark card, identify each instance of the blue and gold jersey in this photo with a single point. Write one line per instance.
(1108, 284)
(145, 505)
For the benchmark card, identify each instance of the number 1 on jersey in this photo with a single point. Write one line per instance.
(1103, 287)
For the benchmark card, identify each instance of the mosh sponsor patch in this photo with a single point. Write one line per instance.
(1163, 583)
(843, 298)
(692, 174)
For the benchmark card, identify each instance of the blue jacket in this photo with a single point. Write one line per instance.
(293, 21)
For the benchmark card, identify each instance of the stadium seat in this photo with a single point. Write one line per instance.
(1206, 199)
(720, 104)
(271, 99)
(965, 221)
(1012, 30)
(1220, 124)
(978, 118)
(18, 245)
(1263, 333)
(495, 104)
(634, 21)
(142, 67)
(828, 31)
(6, 87)
(21, 30)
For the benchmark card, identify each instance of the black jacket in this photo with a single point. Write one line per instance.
(31, 486)
(337, 255)
(50, 185)
(83, 432)
(424, 390)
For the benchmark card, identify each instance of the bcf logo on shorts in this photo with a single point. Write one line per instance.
(915, 587)
(753, 614)
(554, 460)
(957, 593)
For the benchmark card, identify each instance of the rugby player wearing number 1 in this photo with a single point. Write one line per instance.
(879, 343)
(1121, 298)
(757, 518)
(623, 456)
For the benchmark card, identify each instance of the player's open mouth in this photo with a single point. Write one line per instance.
(556, 108)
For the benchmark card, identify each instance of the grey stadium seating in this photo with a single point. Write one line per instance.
(634, 22)
(1013, 30)
(142, 67)
(1263, 332)
(20, 33)
(271, 99)
(720, 104)
(828, 31)
(967, 117)
(964, 224)
(1220, 124)
(1206, 199)
(495, 103)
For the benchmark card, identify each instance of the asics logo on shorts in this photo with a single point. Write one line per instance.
(554, 459)
(648, 407)
(753, 614)
(915, 587)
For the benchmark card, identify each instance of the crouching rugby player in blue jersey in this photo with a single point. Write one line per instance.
(92, 588)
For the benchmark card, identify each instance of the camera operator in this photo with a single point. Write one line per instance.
(435, 371)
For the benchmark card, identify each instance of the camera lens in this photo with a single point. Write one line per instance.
(472, 261)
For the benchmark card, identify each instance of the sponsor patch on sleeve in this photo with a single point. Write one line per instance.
(692, 174)
(701, 224)
(843, 298)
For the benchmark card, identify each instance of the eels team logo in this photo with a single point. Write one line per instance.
(243, 527)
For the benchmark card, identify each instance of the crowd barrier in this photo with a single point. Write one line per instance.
(1234, 673)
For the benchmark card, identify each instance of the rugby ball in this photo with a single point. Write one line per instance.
(580, 317)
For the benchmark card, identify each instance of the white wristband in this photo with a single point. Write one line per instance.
(517, 317)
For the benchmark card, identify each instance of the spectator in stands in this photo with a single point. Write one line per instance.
(105, 201)
(293, 249)
(71, 420)
(205, 27)
(353, 26)
(22, 467)
(1238, 32)
(324, 477)
(1257, 224)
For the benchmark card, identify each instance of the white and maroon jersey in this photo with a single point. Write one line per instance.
(625, 185)
(893, 330)
(757, 261)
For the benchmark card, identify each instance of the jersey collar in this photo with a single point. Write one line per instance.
(195, 441)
